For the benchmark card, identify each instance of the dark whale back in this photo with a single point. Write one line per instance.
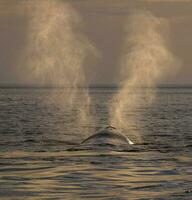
(108, 135)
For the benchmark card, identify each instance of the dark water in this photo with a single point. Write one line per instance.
(40, 157)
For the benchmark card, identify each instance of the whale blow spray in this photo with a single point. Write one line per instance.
(145, 61)
(54, 54)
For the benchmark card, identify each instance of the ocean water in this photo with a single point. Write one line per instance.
(40, 155)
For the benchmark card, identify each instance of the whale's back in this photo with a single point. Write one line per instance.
(108, 135)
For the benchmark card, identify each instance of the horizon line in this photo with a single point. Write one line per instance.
(14, 85)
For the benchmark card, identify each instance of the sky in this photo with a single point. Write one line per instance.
(103, 25)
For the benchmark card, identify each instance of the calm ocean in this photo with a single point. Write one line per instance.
(38, 159)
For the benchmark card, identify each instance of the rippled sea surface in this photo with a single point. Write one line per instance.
(40, 158)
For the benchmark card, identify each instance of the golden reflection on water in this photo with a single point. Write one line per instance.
(80, 175)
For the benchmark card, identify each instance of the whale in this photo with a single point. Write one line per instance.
(107, 136)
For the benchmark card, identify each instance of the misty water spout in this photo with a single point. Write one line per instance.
(55, 52)
(145, 61)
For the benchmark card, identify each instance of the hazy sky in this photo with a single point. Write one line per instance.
(103, 25)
